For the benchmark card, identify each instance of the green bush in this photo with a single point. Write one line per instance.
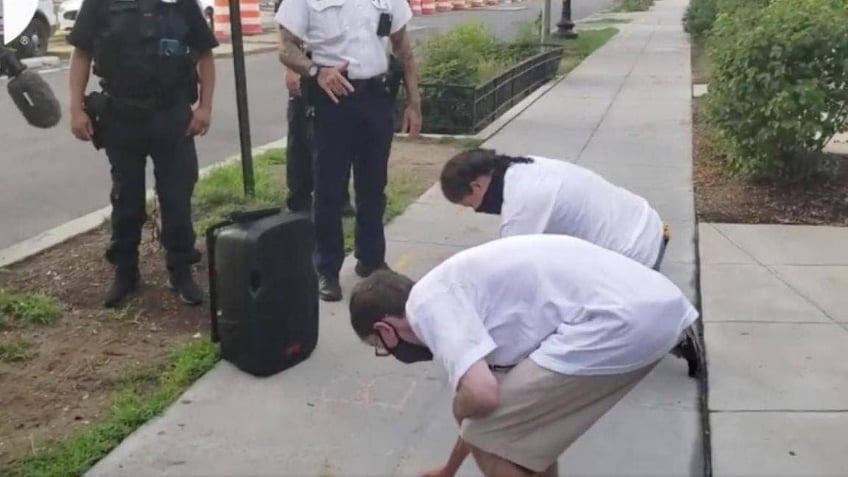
(779, 87)
(465, 57)
(700, 16)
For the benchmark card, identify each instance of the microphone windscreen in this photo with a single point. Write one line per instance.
(34, 98)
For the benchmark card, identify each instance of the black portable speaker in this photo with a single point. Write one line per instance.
(263, 289)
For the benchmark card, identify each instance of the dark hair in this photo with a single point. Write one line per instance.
(463, 168)
(383, 293)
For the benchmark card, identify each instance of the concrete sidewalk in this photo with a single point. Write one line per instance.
(624, 111)
(776, 328)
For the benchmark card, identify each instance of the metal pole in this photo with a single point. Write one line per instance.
(241, 98)
(565, 27)
(546, 21)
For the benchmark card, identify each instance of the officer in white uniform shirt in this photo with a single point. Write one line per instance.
(354, 119)
(540, 335)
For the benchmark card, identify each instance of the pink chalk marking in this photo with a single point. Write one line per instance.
(364, 397)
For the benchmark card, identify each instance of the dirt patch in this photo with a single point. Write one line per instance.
(723, 198)
(74, 365)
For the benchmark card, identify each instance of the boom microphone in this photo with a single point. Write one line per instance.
(31, 94)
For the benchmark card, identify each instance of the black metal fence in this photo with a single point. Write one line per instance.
(463, 109)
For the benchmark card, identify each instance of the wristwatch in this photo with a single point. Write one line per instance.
(313, 70)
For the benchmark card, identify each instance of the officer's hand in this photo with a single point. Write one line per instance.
(81, 125)
(412, 120)
(200, 119)
(293, 82)
(333, 82)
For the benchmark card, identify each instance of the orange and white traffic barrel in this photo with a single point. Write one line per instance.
(251, 17)
(444, 5)
(415, 5)
(221, 19)
(428, 7)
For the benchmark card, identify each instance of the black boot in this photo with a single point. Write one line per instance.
(329, 288)
(125, 282)
(181, 280)
(364, 270)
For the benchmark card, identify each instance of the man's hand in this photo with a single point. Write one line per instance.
(200, 119)
(293, 82)
(333, 82)
(412, 120)
(440, 472)
(81, 125)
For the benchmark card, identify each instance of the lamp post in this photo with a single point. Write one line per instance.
(565, 27)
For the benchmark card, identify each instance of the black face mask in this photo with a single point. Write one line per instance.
(409, 353)
(493, 198)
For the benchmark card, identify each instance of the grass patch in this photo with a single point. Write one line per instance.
(135, 403)
(15, 350)
(585, 44)
(633, 5)
(605, 21)
(221, 191)
(35, 308)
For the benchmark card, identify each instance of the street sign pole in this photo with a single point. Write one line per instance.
(241, 97)
(546, 22)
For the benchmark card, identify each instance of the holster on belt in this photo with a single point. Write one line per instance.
(395, 75)
(96, 106)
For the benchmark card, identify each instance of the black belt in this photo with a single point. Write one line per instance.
(499, 368)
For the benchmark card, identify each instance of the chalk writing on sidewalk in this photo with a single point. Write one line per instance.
(364, 395)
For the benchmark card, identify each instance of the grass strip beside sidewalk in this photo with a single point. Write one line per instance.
(586, 43)
(143, 397)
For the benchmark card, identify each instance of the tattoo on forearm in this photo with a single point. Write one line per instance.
(402, 48)
(291, 53)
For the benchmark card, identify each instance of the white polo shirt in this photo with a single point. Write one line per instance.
(570, 306)
(557, 197)
(344, 31)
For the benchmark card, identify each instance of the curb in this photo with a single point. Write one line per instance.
(57, 235)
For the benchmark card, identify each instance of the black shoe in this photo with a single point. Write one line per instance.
(181, 280)
(125, 282)
(690, 349)
(329, 288)
(364, 270)
(348, 210)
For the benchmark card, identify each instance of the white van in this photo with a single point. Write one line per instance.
(33, 41)
(69, 9)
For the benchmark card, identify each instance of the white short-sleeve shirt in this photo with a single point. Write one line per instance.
(570, 306)
(344, 31)
(557, 197)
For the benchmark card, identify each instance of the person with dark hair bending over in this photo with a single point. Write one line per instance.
(540, 336)
(537, 195)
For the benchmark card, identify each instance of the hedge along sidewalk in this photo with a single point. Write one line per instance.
(146, 391)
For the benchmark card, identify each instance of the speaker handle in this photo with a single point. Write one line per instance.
(213, 296)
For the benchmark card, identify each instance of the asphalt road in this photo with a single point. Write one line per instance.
(49, 178)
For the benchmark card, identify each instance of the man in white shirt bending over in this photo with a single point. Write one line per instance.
(537, 195)
(540, 336)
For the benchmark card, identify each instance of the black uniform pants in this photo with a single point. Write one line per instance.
(300, 156)
(163, 137)
(358, 130)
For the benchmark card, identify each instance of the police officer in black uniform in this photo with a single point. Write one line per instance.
(300, 150)
(154, 58)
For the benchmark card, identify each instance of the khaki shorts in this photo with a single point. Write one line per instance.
(541, 413)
